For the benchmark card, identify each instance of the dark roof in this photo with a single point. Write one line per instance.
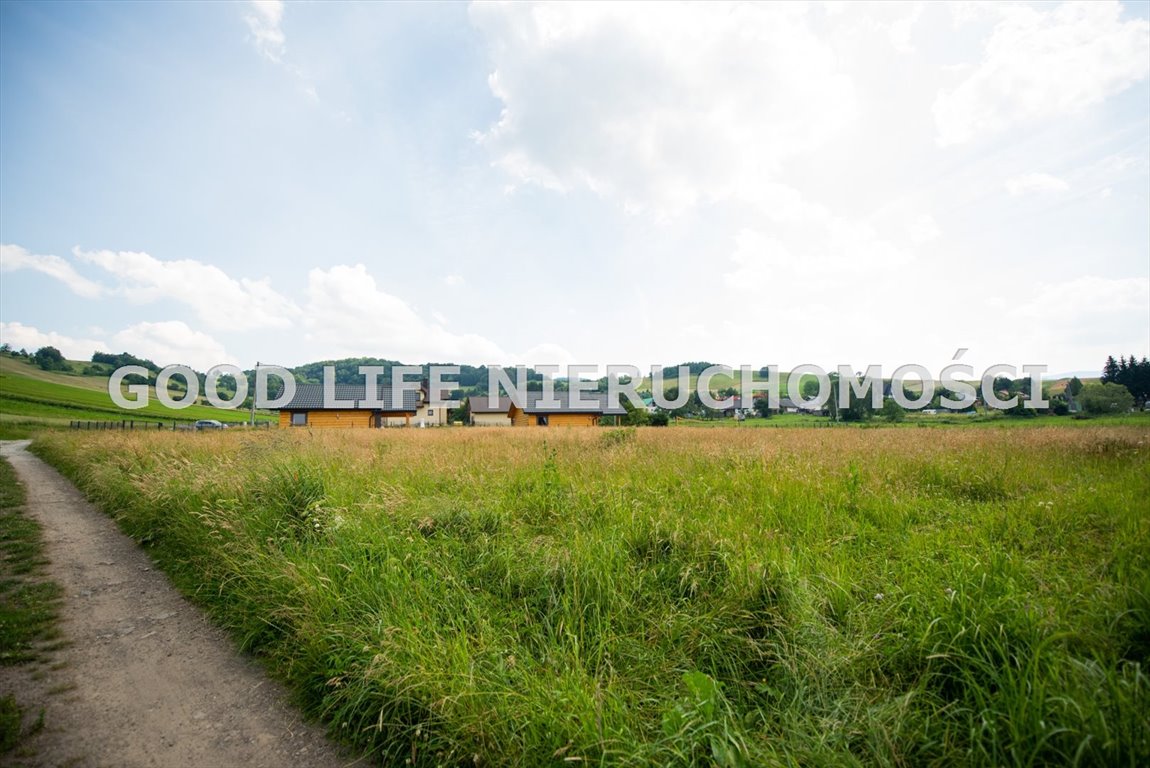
(591, 402)
(478, 404)
(596, 402)
(309, 397)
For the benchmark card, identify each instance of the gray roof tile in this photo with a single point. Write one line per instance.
(309, 397)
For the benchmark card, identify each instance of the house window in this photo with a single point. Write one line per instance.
(430, 411)
(299, 419)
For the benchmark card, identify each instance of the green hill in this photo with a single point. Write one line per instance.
(28, 394)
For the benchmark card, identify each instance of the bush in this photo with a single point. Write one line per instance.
(659, 419)
(50, 359)
(1104, 398)
(892, 411)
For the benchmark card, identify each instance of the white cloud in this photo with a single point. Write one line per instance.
(173, 342)
(902, 28)
(699, 106)
(349, 315)
(27, 337)
(829, 245)
(550, 354)
(13, 257)
(1034, 183)
(453, 280)
(219, 300)
(1043, 63)
(659, 110)
(922, 229)
(1083, 319)
(264, 19)
(1085, 301)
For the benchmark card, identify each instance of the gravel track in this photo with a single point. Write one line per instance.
(143, 679)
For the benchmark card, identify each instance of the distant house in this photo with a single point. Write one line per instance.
(787, 405)
(484, 414)
(564, 412)
(738, 408)
(307, 408)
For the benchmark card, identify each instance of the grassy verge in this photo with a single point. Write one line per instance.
(27, 601)
(19, 429)
(868, 597)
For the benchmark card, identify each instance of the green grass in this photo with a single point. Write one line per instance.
(871, 597)
(28, 602)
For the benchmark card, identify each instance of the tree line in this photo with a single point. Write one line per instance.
(1131, 373)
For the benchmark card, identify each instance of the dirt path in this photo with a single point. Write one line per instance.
(145, 680)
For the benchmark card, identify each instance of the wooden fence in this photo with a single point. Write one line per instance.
(132, 425)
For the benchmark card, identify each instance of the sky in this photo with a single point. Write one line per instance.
(577, 183)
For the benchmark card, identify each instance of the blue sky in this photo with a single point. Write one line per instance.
(757, 184)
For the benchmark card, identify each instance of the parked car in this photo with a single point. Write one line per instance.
(208, 424)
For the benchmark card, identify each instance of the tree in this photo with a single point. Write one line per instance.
(1131, 373)
(462, 413)
(763, 407)
(122, 359)
(858, 408)
(635, 417)
(1140, 382)
(659, 419)
(50, 359)
(696, 368)
(1106, 398)
(892, 411)
(1110, 370)
(1074, 386)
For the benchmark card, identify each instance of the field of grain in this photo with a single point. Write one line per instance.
(669, 597)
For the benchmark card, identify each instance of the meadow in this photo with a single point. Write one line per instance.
(730, 597)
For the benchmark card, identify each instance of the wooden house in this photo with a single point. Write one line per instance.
(564, 412)
(308, 409)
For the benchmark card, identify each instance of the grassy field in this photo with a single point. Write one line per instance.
(30, 396)
(981, 419)
(887, 597)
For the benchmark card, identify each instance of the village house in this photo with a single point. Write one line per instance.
(484, 414)
(352, 409)
(537, 412)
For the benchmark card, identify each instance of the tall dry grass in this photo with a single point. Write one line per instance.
(691, 597)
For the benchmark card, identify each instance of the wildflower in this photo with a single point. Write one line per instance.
(879, 596)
